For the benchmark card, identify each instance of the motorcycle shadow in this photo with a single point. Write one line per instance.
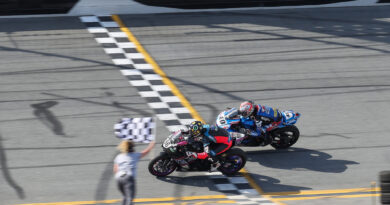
(299, 159)
(273, 185)
(196, 181)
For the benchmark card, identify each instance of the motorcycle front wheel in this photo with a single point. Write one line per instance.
(233, 161)
(285, 137)
(162, 166)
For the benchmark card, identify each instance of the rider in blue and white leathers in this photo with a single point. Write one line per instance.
(261, 118)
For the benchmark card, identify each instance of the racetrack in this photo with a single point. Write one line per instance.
(329, 64)
(61, 94)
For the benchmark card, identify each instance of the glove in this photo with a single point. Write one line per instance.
(192, 155)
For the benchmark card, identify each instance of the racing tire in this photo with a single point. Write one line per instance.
(385, 187)
(384, 176)
(233, 161)
(285, 137)
(162, 166)
(385, 198)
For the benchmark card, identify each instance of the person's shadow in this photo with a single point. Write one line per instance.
(42, 112)
(300, 159)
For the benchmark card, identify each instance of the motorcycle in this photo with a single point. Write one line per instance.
(175, 147)
(284, 133)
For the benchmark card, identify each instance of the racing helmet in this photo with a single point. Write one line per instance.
(195, 130)
(247, 108)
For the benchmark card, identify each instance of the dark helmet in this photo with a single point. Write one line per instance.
(247, 108)
(196, 128)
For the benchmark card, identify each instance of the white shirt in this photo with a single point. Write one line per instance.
(127, 164)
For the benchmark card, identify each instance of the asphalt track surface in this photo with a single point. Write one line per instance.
(61, 94)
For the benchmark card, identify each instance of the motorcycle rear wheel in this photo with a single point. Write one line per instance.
(162, 166)
(233, 161)
(285, 137)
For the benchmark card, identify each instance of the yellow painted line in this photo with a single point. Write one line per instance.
(199, 203)
(163, 204)
(253, 184)
(225, 202)
(157, 68)
(215, 202)
(332, 191)
(327, 197)
(251, 181)
(184, 198)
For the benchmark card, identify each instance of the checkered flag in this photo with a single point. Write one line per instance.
(136, 129)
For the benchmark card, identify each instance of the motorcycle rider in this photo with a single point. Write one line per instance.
(264, 118)
(215, 141)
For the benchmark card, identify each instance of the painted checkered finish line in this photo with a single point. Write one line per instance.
(168, 107)
(238, 189)
(132, 64)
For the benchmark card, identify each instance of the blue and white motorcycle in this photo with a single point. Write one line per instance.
(283, 133)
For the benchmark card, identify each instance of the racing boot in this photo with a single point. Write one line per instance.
(267, 139)
(215, 164)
